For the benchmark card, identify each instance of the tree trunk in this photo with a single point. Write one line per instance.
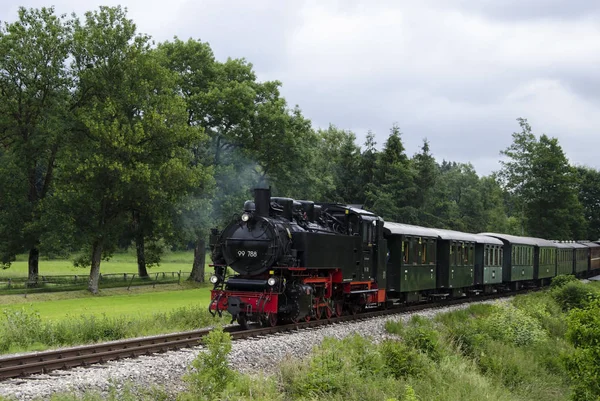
(34, 258)
(95, 270)
(139, 245)
(197, 273)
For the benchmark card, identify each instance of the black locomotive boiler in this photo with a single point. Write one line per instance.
(297, 260)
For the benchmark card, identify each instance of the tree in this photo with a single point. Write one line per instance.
(368, 166)
(254, 138)
(130, 152)
(34, 91)
(589, 197)
(394, 182)
(538, 175)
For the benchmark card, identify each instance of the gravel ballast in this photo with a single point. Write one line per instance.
(166, 369)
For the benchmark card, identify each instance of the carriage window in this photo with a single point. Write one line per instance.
(405, 250)
(424, 252)
(530, 259)
(501, 256)
(431, 246)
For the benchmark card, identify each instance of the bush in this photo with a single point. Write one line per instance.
(211, 372)
(511, 325)
(561, 280)
(574, 295)
(584, 364)
(400, 360)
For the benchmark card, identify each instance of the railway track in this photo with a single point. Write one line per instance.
(67, 358)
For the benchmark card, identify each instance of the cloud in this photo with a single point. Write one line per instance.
(455, 71)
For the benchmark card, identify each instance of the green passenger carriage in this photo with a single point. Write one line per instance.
(581, 258)
(411, 262)
(565, 258)
(544, 259)
(517, 259)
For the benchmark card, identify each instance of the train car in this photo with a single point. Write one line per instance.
(489, 258)
(582, 255)
(544, 260)
(593, 256)
(565, 258)
(426, 262)
(518, 258)
(412, 261)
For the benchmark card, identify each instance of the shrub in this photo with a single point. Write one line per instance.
(211, 372)
(574, 295)
(561, 280)
(400, 360)
(19, 327)
(584, 364)
(511, 325)
(422, 336)
(545, 310)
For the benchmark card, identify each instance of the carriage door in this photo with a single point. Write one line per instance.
(368, 239)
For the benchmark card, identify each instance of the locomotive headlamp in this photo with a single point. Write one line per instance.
(214, 279)
(245, 217)
(272, 281)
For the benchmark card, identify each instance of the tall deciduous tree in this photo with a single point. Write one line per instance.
(34, 90)
(538, 174)
(130, 151)
(589, 196)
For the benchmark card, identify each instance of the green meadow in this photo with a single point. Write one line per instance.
(136, 303)
(119, 263)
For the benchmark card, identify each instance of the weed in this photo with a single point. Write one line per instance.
(211, 372)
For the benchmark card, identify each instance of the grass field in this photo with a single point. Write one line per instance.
(119, 263)
(139, 302)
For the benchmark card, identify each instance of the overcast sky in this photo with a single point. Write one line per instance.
(458, 72)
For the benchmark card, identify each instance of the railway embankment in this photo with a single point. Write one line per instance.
(530, 347)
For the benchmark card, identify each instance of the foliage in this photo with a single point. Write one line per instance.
(583, 365)
(544, 185)
(34, 92)
(574, 294)
(589, 197)
(211, 372)
(23, 328)
(561, 280)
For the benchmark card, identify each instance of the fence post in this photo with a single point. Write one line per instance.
(132, 277)
(179, 277)
(155, 280)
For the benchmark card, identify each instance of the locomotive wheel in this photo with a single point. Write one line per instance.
(270, 319)
(328, 312)
(307, 318)
(339, 308)
(318, 312)
(242, 321)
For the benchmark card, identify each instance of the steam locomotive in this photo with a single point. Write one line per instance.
(299, 260)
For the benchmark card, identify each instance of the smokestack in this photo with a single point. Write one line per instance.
(262, 201)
